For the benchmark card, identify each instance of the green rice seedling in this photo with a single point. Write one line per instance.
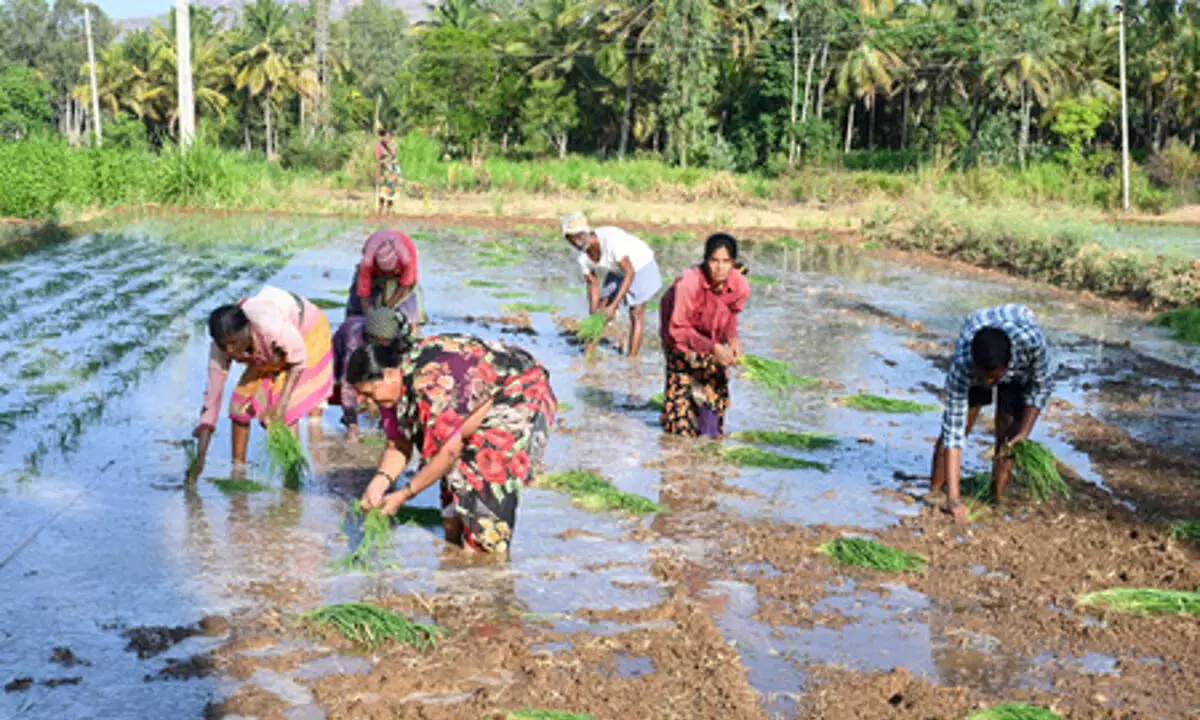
(190, 455)
(1184, 324)
(376, 542)
(523, 307)
(1036, 468)
(861, 552)
(877, 403)
(1014, 711)
(565, 407)
(373, 440)
(230, 486)
(594, 492)
(343, 293)
(509, 294)
(762, 280)
(486, 284)
(591, 328)
(786, 438)
(370, 626)
(286, 455)
(657, 401)
(1144, 601)
(977, 487)
(50, 389)
(328, 304)
(418, 516)
(746, 456)
(774, 375)
(536, 714)
(1185, 530)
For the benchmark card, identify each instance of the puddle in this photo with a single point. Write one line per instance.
(94, 406)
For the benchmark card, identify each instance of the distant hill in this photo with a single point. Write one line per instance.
(414, 9)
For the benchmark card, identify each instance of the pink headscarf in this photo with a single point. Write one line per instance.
(393, 253)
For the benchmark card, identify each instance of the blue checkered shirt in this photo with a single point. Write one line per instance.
(1029, 366)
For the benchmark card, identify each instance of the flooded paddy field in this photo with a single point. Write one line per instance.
(125, 594)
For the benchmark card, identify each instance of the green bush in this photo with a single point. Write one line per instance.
(327, 155)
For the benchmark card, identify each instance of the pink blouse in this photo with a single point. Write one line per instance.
(277, 325)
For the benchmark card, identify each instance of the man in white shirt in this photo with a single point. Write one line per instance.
(631, 275)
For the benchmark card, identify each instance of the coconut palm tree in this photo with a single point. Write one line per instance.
(267, 63)
(870, 62)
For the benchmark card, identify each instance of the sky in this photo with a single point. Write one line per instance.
(123, 9)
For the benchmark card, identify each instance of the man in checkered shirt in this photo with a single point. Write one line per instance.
(1000, 349)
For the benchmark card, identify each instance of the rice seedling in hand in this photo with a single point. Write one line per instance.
(523, 307)
(231, 486)
(657, 401)
(591, 328)
(190, 455)
(746, 456)
(786, 438)
(861, 552)
(376, 541)
(877, 403)
(370, 626)
(594, 492)
(1144, 601)
(286, 454)
(536, 714)
(774, 375)
(1014, 711)
(1185, 530)
(1036, 468)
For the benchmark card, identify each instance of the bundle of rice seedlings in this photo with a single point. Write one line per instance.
(286, 454)
(523, 307)
(1144, 601)
(745, 456)
(861, 552)
(328, 304)
(1037, 468)
(1014, 711)
(486, 283)
(376, 542)
(976, 487)
(762, 280)
(370, 626)
(786, 438)
(657, 401)
(877, 403)
(1183, 322)
(594, 492)
(774, 375)
(229, 486)
(591, 328)
(536, 714)
(1185, 530)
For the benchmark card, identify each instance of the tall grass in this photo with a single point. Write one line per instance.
(1184, 324)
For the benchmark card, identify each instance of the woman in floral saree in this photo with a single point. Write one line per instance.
(479, 414)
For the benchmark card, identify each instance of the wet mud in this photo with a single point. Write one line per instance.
(719, 606)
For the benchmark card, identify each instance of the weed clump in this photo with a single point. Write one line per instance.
(861, 552)
(1185, 530)
(745, 456)
(1036, 468)
(591, 328)
(877, 403)
(786, 438)
(1144, 601)
(370, 626)
(286, 454)
(1184, 324)
(594, 492)
(1014, 711)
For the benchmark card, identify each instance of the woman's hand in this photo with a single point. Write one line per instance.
(723, 355)
(352, 433)
(393, 501)
(373, 496)
(735, 345)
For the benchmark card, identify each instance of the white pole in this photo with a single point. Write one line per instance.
(1124, 116)
(87, 28)
(183, 64)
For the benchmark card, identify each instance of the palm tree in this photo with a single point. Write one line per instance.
(869, 64)
(211, 69)
(266, 64)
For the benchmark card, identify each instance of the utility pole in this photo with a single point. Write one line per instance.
(183, 67)
(323, 90)
(1124, 115)
(87, 28)
(795, 85)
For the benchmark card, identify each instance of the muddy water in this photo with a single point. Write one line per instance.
(104, 370)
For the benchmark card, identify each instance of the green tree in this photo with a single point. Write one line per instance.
(869, 62)
(379, 45)
(547, 117)
(24, 103)
(683, 48)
